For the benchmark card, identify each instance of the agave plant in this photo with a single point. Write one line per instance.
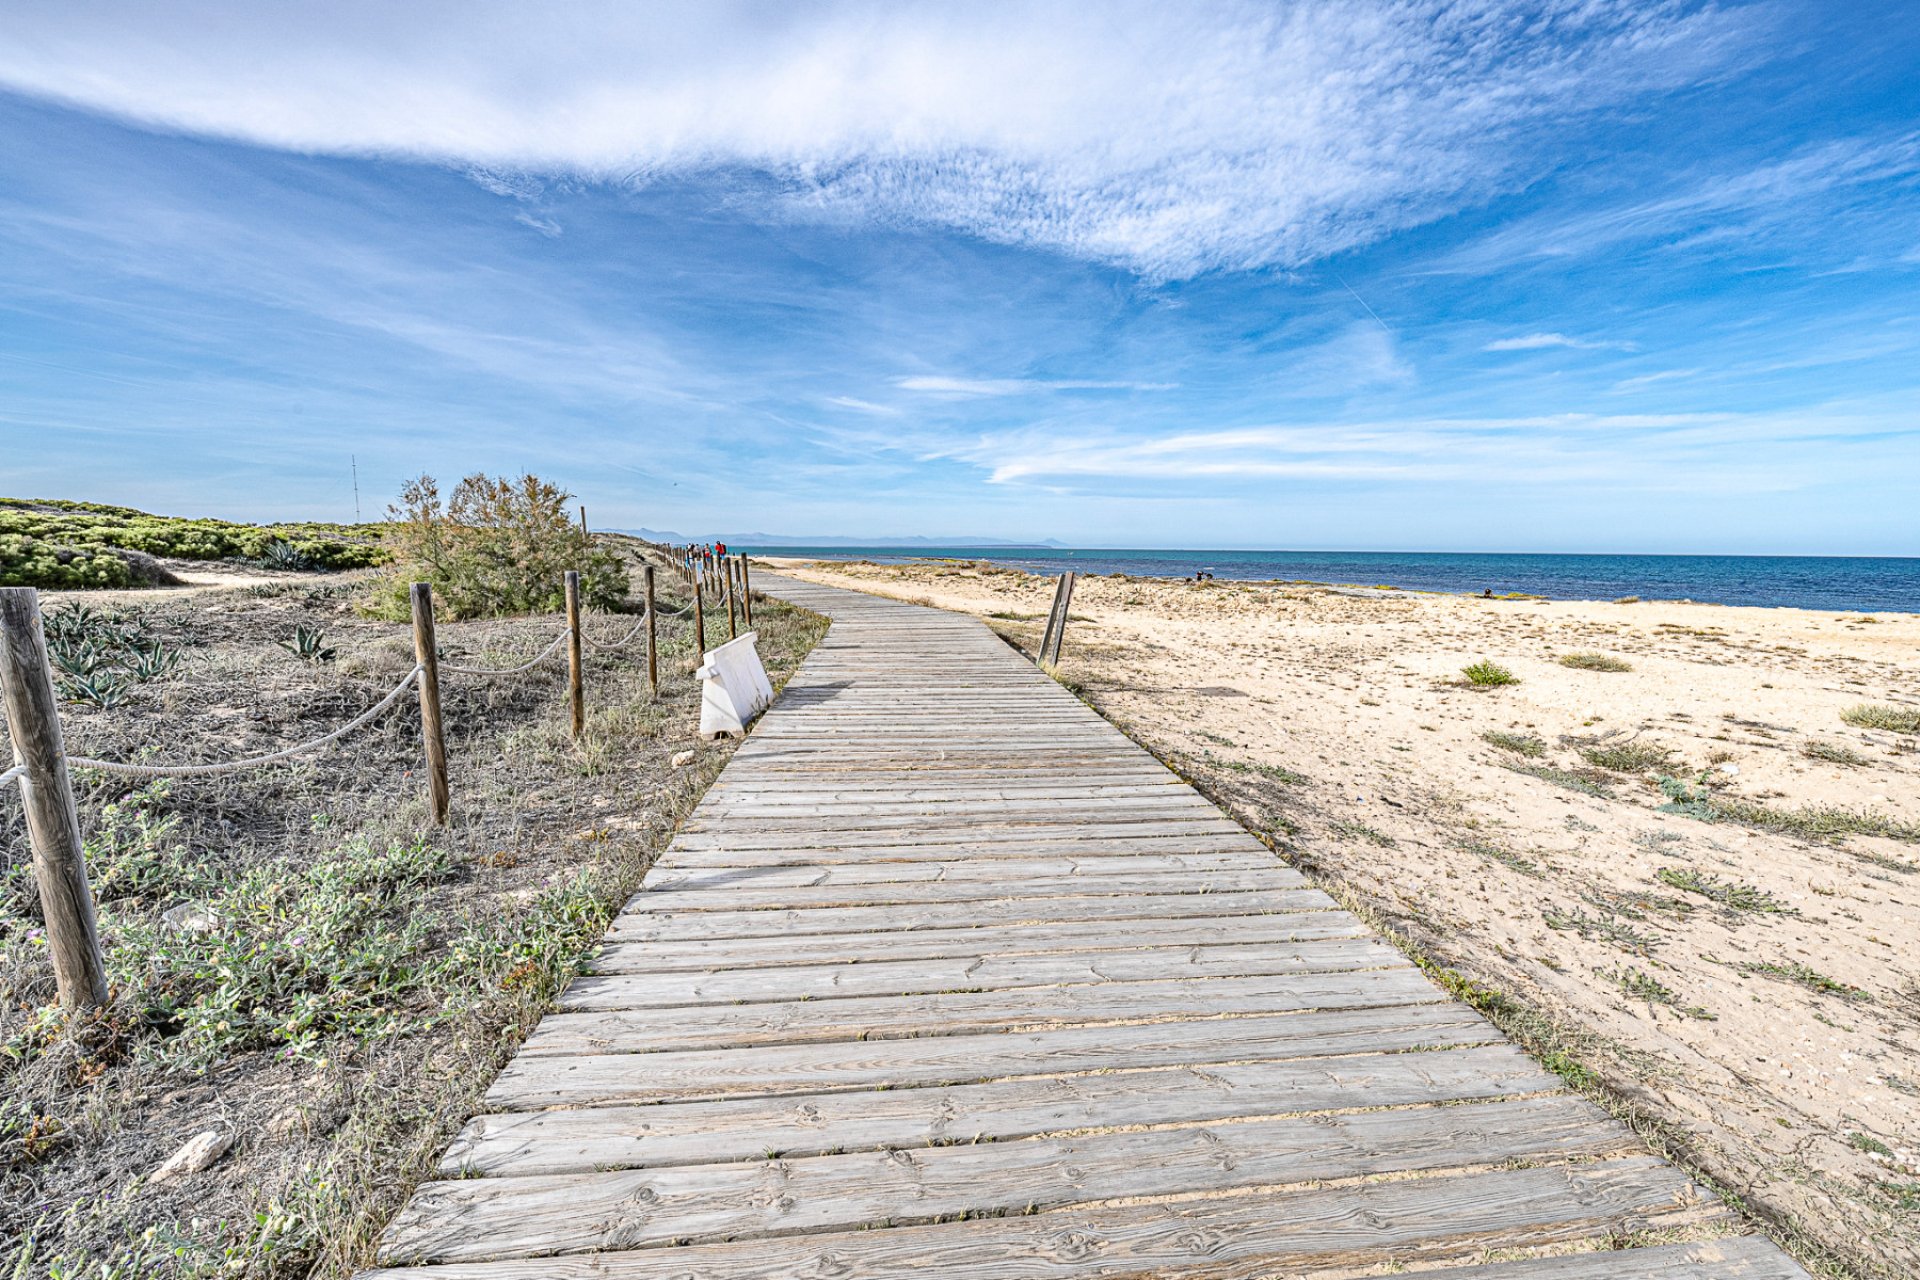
(102, 688)
(99, 655)
(281, 554)
(308, 645)
(154, 662)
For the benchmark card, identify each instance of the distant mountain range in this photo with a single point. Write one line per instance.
(795, 540)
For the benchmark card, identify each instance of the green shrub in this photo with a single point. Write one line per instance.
(1486, 675)
(1881, 716)
(494, 547)
(57, 544)
(33, 562)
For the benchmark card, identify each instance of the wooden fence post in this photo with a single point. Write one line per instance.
(1066, 608)
(746, 593)
(653, 653)
(699, 618)
(576, 683)
(53, 824)
(733, 609)
(432, 730)
(583, 524)
(1053, 621)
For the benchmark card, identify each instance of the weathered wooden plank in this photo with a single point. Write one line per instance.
(534, 1081)
(741, 897)
(594, 1017)
(638, 926)
(1016, 939)
(708, 851)
(474, 1219)
(645, 990)
(672, 873)
(1236, 1237)
(1725, 1258)
(592, 1138)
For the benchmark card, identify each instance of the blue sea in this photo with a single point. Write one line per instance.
(1857, 583)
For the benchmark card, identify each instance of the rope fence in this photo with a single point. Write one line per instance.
(371, 714)
(32, 714)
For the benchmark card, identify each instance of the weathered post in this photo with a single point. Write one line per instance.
(584, 535)
(653, 653)
(746, 591)
(432, 729)
(53, 824)
(576, 683)
(1066, 608)
(733, 610)
(699, 617)
(1053, 621)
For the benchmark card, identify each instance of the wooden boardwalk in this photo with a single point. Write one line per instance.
(946, 978)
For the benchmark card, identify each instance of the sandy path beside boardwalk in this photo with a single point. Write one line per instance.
(1757, 990)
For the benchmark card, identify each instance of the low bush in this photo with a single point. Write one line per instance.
(1881, 716)
(1486, 675)
(1594, 662)
(57, 544)
(494, 547)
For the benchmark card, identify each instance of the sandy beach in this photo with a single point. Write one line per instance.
(1686, 880)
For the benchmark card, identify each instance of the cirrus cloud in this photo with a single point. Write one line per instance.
(1169, 140)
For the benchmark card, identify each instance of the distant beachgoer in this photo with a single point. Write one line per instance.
(1487, 594)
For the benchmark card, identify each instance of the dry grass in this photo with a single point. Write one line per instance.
(1883, 716)
(364, 974)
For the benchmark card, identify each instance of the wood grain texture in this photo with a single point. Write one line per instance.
(946, 978)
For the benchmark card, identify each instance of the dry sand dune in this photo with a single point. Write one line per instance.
(1750, 985)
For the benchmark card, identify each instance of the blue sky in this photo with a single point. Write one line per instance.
(1569, 276)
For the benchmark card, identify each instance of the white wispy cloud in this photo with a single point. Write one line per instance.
(1644, 450)
(1727, 209)
(1652, 379)
(863, 406)
(1169, 139)
(1542, 341)
(1019, 386)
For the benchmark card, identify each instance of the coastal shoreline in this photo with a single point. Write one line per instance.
(1850, 584)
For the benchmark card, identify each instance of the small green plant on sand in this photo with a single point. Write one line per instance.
(1523, 744)
(1361, 831)
(1588, 782)
(1589, 661)
(1882, 716)
(1609, 929)
(1728, 893)
(1640, 985)
(1800, 975)
(1833, 753)
(1488, 675)
(1627, 757)
(1821, 824)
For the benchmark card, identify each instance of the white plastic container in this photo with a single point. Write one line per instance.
(734, 686)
